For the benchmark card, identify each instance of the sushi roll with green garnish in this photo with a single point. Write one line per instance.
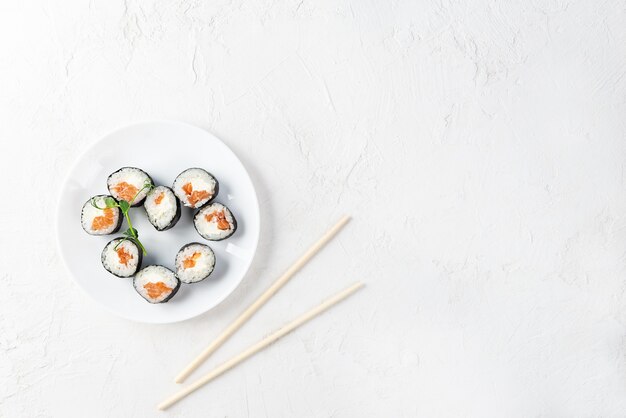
(130, 184)
(97, 219)
(121, 257)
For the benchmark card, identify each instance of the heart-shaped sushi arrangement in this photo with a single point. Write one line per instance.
(130, 187)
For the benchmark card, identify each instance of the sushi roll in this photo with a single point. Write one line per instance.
(126, 183)
(194, 262)
(162, 208)
(156, 284)
(97, 221)
(121, 257)
(215, 222)
(195, 187)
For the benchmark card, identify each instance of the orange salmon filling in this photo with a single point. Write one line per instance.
(220, 218)
(124, 256)
(103, 222)
(159, 198)
(194, 196)
(125, 191)
(156, 289)
(190, 262)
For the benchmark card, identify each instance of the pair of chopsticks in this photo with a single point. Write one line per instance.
(251, 310)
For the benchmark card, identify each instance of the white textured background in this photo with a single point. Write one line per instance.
(480, 147)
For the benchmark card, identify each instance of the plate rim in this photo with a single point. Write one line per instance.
(66, 179)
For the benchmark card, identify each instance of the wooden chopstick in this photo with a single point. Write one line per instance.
(251, 310)
(307, 316)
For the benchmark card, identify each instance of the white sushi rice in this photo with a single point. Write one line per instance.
(200, 180)
(112, 262)
(209, 229)
(155, 274)
(204, 263)
(89, 213)
(130, 175)
(161, 214)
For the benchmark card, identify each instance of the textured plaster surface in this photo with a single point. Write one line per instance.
(479, 145)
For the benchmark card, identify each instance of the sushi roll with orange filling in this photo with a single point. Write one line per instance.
(162, 208)
(129, 183)
(97, 221)
(195, 187)
(121, 257)
(156, 284)
(194, 262)
(215, 222)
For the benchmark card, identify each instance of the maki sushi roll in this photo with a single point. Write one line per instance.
(121, 257)
(195, 187)
(156, 284)
(215, 222)
(162, 208)
(96, 221)
(129, 183)
(194, 262)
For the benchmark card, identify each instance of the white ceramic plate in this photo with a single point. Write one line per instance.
(162, 149)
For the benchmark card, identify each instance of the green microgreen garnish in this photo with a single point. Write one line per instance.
(131, 233)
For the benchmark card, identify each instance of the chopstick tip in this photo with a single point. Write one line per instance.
(357, 286)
